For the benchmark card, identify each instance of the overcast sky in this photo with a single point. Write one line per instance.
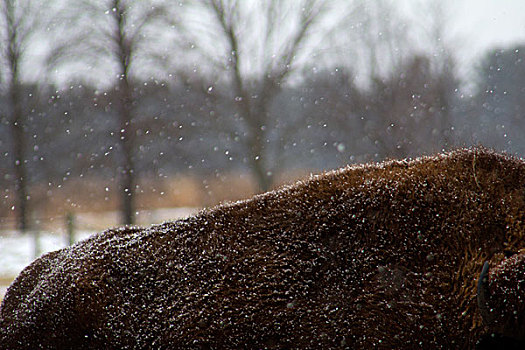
(473, 26)
(480, 24)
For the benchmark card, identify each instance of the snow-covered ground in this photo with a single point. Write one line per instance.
(19, 250)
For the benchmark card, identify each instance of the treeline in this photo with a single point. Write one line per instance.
(322, 122)
(245, 94)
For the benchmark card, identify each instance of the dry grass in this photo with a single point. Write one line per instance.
(99, 198)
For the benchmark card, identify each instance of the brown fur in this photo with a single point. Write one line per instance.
(507, 297)
(377, 255)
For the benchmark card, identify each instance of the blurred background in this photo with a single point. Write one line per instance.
(133, 112)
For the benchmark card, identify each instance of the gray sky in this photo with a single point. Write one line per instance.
(472, 26)
(477, 25)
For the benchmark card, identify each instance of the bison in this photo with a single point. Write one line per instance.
(423, 253)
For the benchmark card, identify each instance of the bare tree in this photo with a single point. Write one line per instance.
(444, 68)
(373, 43)
(123, 35)
(258, 45)
(375, 39)
(498, 113)
(409, 80)
(19, 23)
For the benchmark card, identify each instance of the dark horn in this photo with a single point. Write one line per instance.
(483, 294)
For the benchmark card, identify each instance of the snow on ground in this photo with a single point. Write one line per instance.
(19, 250)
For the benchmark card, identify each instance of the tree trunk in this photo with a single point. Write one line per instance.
(17, 132)
(13, 52)
(263, 177)
(127, 175)
(125, 110)
(259, 156)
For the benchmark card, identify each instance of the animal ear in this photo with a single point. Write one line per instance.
(502, 303)
(483, 295)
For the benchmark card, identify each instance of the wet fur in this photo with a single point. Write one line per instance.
(375, 255)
